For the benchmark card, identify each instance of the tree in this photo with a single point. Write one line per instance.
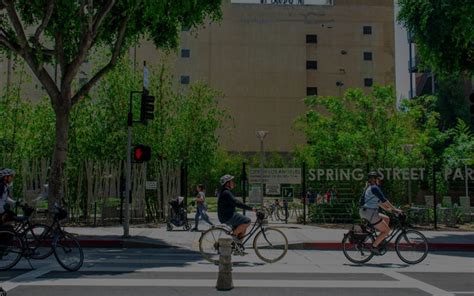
(443, 32)
(66, 32)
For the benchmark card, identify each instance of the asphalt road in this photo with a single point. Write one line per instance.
(144, 272)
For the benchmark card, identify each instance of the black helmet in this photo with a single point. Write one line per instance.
(374, 175)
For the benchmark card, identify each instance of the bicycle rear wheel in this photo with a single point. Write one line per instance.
(11, 249)
(209, 243)
(68, 252)
(281, 214)
(357, 251)
(411, 246)
(270, 244)
(39, 238)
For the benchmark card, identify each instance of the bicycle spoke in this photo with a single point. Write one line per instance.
(411, 246)
(68, 252)
(357, 251)
(209, 244)
(270, 245)
(11, 249)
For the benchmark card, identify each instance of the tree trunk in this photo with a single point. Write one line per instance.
(56, 177)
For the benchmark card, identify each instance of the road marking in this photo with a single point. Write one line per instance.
(411, 282)
(25, 278)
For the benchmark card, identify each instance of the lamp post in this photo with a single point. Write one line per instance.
(465, 160)
(261, 135)
(408, 148)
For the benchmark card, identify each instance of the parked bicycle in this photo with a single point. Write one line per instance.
(277, 212)
(270, 244)
(411, 245)
(40, 241)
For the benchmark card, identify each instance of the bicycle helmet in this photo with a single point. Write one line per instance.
(374, 175)
(6, 172)
(226, 178)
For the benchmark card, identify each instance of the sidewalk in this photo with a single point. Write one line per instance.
(300, 237)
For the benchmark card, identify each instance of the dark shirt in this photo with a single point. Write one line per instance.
(226, 204)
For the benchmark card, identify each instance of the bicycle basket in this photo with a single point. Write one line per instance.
(60, 214)
(357, 234)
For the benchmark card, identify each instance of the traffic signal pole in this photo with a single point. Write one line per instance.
(146, 114)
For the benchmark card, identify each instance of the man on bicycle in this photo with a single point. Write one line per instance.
(371, 200)
(6, 201)
(226, 205)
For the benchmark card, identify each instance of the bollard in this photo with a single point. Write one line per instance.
(2, 292)
(224, 279)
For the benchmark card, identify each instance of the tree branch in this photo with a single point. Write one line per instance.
(10, 45)
(15, 20)
(113, 60)
(44, 23)
(88, 38)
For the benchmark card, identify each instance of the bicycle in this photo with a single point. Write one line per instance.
(411, 245)
(270, 244)
(40, 241)
(277, 212)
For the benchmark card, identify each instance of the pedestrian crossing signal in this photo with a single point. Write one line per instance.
(147, 107)
(141, 153)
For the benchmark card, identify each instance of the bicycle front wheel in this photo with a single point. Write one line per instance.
(39, 238)
(281, 214)
(209, 243)
(68, 252)
(11, 248)
(411, 246)
(357, 251)
(270, 244)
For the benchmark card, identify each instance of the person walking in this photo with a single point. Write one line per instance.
(201, 207)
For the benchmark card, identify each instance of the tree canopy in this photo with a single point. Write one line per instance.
(443, 31)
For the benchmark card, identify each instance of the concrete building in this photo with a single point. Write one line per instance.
(265, 56)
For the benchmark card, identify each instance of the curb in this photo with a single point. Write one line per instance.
(121, 243)
(329, 246)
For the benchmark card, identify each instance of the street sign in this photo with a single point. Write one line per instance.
(288, 193)
(273, 189)
(151, 185)
(276, 175)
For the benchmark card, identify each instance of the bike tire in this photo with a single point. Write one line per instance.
(39, 238)
(68, 251)
(270, 240)
(11, 249)
(414, 243)
(357, 252)
(280, 213)
(209, 243)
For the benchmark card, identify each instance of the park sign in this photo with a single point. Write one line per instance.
(284, 2)
(275, 176)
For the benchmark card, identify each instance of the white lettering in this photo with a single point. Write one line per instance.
(312, 176)
(405, 174)
(447, 173)
(358, 174)
(329, 175)
(345, 174)
(470, 173)
(396, 174)
(458, 174)
(320, 174)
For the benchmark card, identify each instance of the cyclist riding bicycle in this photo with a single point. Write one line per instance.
(6, 201)
(226, 205)
(371, 200)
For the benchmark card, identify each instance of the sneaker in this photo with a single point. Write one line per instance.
(375, 250)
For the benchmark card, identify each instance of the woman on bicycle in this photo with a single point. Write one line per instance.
(6, 201)
(371, 200)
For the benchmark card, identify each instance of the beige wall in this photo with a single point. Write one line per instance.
(257, 57)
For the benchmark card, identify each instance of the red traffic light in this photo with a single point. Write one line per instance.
(141, 153)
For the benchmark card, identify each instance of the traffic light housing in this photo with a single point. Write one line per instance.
(147, 107)
(141, 153)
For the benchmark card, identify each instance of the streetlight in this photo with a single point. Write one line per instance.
(408, 148)
(261, 135)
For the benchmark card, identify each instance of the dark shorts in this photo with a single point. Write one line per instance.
(237, 219)
(371, 215)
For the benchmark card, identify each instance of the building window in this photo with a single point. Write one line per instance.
(312, 38)
(367, 30)
(311, 91)
(367, 56)
(311, 65)
(185, 79)
(185, 53)
(368, 82)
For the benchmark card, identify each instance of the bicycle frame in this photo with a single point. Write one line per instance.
(396, 230)
(257, 225)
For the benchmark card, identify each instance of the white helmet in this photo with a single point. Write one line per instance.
(6, 172)
(226, 178)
